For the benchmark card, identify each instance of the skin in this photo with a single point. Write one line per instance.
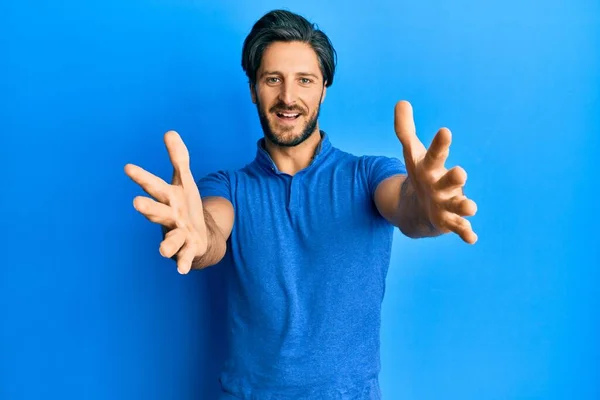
(196, 229)
(289, 78)
(429, 201)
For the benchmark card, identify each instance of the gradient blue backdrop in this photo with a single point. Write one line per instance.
(89, 310)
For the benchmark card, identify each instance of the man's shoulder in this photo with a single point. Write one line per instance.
(230, 172)
(363, 160)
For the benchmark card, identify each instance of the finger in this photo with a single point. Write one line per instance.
(462, 227)
(180, 158)
(453, 178)
(152, 184)
(182, 175)
(461, 205)
(438, 150)
(172, 243)
(404, 125)
(154, 211)
(185, 258)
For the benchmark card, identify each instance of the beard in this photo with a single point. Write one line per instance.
(278, 136)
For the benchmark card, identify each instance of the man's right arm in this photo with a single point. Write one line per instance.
(218, 216)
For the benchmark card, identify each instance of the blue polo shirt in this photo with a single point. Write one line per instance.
(309, 254)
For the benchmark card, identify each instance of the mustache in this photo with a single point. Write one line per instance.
(279, 107)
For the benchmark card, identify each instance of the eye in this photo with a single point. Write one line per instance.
(272, 79)
(305, 81)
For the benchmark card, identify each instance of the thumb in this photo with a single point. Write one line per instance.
(404, 124)
(179, 155)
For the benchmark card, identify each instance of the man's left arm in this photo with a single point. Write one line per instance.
(429, 200)
(397, 202)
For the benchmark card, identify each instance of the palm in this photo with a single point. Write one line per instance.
(176, 206)
(440, 190)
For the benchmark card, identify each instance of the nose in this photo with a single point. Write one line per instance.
(287, 95)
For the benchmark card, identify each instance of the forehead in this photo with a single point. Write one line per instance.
(290, 57)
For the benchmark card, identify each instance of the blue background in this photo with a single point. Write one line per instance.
(89, 309)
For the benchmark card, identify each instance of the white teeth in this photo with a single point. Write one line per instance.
(289, 115)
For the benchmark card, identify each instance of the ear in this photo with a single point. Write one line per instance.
(324, 92)
(253, 93)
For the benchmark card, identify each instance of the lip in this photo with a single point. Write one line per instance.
(287, 121)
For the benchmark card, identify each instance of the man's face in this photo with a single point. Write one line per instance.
(288, 93)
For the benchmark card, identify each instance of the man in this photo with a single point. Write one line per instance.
(309, 227)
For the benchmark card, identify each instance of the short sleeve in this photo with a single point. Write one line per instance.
(379, 168)
(215, 184)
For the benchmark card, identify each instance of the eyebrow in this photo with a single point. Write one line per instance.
(297, 74)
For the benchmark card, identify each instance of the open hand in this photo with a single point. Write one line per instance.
(176, 206)
(440, 190)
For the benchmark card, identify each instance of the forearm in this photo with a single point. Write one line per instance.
(411, 215)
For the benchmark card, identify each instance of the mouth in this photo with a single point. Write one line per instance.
(287, 116)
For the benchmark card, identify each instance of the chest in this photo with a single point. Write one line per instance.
(303, 207)
(313, 240)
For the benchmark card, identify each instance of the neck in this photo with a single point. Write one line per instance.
(290, 160)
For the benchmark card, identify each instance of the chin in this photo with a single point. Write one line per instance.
(286, 138)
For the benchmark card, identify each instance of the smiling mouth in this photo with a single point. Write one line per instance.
(287, 115)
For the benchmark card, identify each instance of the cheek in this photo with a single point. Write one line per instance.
(264, 99)
(314, 104)
(316, 97)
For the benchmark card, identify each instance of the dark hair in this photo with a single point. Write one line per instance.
(285, 26)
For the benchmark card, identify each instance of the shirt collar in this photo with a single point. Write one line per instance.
(264, 159)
